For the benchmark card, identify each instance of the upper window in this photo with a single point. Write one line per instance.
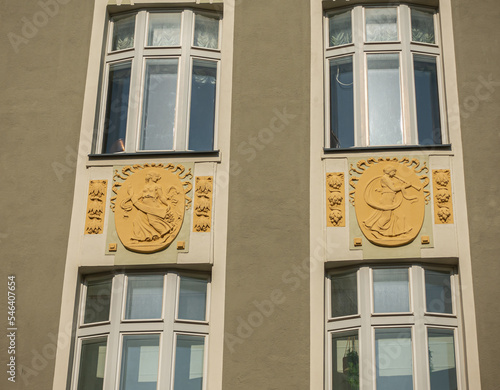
(392, 328)
(160, 82)
(142, 331)
(383, 76)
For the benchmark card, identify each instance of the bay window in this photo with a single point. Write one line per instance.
(392, 327)
(160, 84)
(142, 331)
(383, 77)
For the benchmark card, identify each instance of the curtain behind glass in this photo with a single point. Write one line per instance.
(391, 290)
(442, 369)
(192, 299)
(202, 112)
(92, 364)
(189, 362)
(115, 120)
(427, 100)
(344, 294)
(341, 103)
(97, 301)
(139, 367)
(144, 297)
(164, 29)
(384, 99)
(394, 362)
(159, 107)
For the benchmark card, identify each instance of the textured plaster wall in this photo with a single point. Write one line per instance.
(268, 228)
(477, 41)
(42, 82)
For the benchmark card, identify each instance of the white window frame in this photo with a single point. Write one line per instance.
(418, 320)
(359, 48)
(114, 330)
(185, 53)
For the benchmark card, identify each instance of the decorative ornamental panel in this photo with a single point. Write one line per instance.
(443, 208)
(95, 206)
(335, 202)
(203, 193)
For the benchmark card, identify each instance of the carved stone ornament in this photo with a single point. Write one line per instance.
(149, 205)
(95, 206)
(335, 204)
(389, 197)
(203, 190)
(443, 207)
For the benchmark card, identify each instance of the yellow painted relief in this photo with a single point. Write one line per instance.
(443, 208)
(94, 223)
(203, 193)
(149, 205)
(335, 202)
(389, 198)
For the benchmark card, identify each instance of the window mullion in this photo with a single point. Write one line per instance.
(180, 136)
(136, 87)
(359, 70)
(113, 358)
(167, 353)
(419, 343)
(366, 353)
(410, 136)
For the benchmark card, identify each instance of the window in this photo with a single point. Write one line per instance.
(142, 331)
(383, 77)
(392, 328)
(160, 82)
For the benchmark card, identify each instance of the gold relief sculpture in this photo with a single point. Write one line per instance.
(335, 204)
(95, 206)
(149, 205)
(443, 208)
(203, 192)
(389, 197)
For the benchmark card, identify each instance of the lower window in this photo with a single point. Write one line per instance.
(392, 328)
(142, 331)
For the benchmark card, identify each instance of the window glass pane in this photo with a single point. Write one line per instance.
(381, 24)
(202, 113)
(384, 99)
(92, 364)
(340, 29)
(442, 367)
(422, 26)
(144, 297)
(344, 294)
(192, 298)
(341, 103)
(393, 354)
(189, 355)
(164, 29)
(139, 368)
(115, 120)
(206, 31)
(427, 99)
(345, 361)
(391, 291)
(438, 292)
(97, 301)
(123, 33)
(160, 97)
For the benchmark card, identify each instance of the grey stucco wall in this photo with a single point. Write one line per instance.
(43, 68)
(268, 231)
(477, 43)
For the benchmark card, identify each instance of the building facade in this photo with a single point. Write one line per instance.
(250, 194)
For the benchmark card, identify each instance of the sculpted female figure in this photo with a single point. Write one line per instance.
(385, 194)
(155, 219)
